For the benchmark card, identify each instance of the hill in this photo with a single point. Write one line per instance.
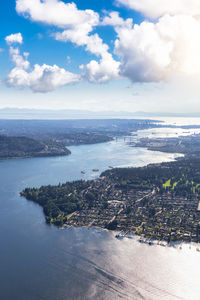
(21, 147)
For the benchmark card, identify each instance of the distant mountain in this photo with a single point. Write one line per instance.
(42, 114)
(22, 113)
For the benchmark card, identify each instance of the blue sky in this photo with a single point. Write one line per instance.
(126, 55)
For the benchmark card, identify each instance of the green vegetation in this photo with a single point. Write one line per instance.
(20, 147)
(170, 184)
(167, 184)
(59, 202)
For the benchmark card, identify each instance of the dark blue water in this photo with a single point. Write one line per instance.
(38, 261)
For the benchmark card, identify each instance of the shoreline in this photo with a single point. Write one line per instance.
(120, 234)
(149, 229)
(138, 210)
(35, 156)
(139, 239)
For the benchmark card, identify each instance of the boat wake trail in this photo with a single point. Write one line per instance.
(105, 284)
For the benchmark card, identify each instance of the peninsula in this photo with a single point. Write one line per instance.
(155, 202)
(23, 147)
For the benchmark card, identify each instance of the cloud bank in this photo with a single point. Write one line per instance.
(152, 52)
(158, 8)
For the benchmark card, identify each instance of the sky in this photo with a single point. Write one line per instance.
(115, 55)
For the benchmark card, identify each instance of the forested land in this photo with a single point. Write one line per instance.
(158, 201)
(21, 147)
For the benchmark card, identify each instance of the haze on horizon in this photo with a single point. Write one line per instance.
(114, 55)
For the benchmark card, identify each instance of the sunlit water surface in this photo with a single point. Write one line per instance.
(41, 262)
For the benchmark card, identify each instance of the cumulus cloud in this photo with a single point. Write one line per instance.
(159, 51)
(95, 71)
(158, 8)
(14, 38)
(42, 79)
(57, 13)
(77, 26)
(113, 19)
(102, 71)
(19, 60)
(149, 52)
(93, 43)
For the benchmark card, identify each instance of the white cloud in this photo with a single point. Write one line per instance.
(159, 51)
(149, 52)
(14, 38)
(103, 71)
(95, 71)
(77, 24)
(57, 13)
(93, 43)
(77, 27)
(19, 60)
(42, 79)
(113, 19)
(158, 8)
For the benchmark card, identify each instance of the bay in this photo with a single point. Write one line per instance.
(38, 261)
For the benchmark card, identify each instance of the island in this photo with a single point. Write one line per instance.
(156, 202)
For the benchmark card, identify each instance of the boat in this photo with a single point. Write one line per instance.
(95, 170)
(120, 236)
(141, 241)
(82, 172)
